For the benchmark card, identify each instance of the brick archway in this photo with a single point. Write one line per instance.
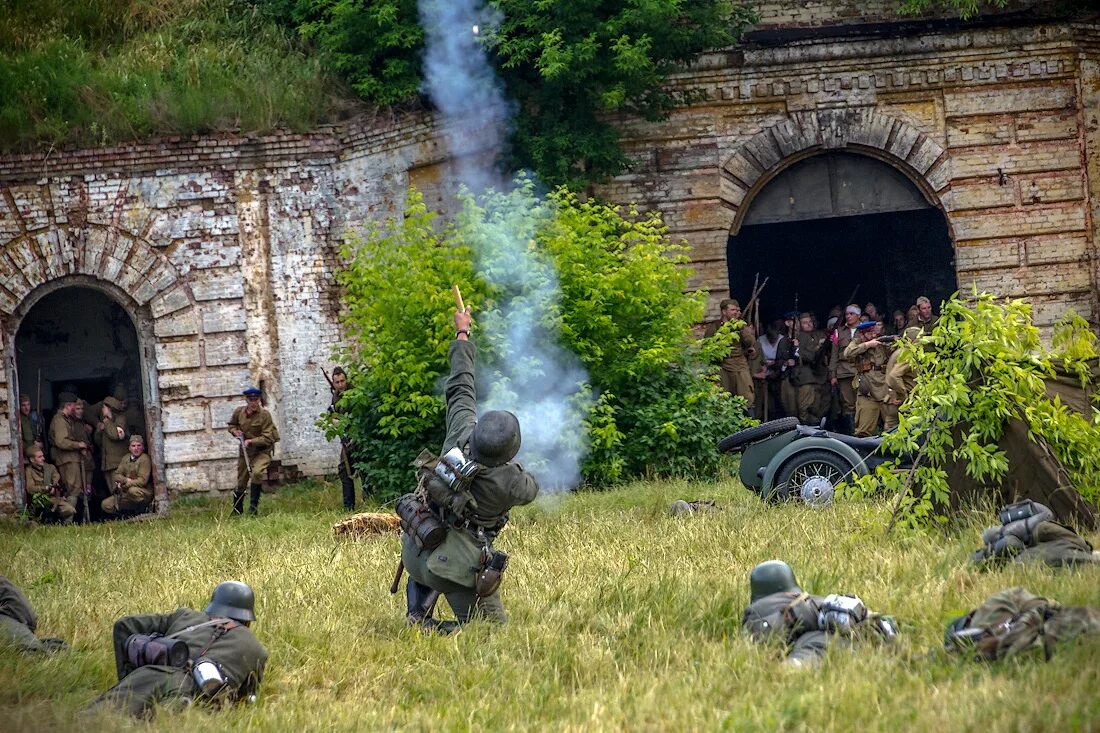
(867, 131)
(127, 269)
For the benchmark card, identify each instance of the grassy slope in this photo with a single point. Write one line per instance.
(620, 618)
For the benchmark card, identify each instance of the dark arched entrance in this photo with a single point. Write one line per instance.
(835, 221)
(80, 340)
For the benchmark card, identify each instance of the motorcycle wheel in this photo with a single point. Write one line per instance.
(813, 465)
(742, 438)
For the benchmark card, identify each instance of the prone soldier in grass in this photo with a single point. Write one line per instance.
(206, 656)
(462, 503)
(254, 429)
(18, 622)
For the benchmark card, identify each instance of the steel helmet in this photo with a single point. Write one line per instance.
(773, 576)
(495, 439)
(233, 599)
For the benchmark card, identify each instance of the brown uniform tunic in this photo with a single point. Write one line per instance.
(810, 374)
(113, 449)
(39, 481)
(65, 450)
(874, 400)
(261, 430)
(734, 368)
(134, 491)
(843, 369)
(900, 377)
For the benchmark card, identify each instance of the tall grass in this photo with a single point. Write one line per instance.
(97, 72)
(621, 618)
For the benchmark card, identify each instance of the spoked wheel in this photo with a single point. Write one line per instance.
(812, 477)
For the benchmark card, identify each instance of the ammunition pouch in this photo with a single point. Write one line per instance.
(841, 614)
(419, 522)
(144, 649)
(493, 565)
(800, 617)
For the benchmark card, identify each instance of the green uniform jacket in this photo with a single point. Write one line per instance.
(739, 350)
(113, 449)
(135, 472)
(14, 604)
(875, 379)
(811, 367)
(27, 435)
(64, 448)
(840, 366)
(763, 620)
(40, 479)
(239, 654)
(259, 428)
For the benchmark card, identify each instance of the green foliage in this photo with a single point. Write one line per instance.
(981, 367)
(568, 66)
(621, 310)
(964, 8)
(98, 72)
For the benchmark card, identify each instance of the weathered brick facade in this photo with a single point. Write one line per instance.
(224, 249)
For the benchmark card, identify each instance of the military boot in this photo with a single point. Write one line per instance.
(238, 502)
(420, 599)
(254, 499)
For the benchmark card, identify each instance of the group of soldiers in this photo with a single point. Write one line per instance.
(846, 374)
(97, 460)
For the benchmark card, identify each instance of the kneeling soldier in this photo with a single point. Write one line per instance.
(253, 427)
(463, 502)
(18, 622)
(806, 624)
(188, 655)
(47, 492)
(132, 492)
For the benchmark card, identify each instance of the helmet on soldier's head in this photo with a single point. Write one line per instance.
(233, 599)
(773, 576)
(495, 439)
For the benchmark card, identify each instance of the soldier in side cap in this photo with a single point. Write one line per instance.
(874, 400)
(132, 487)
(219, 660)
(925, 320)
(734, 370)
(111, 436)
(66, 448)
(471, 506)
(806, 624)
(253, 427)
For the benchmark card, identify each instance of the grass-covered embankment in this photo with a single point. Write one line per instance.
(621, 618)
(97, 72)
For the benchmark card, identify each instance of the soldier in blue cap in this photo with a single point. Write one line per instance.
(875, 401)
(253, 427)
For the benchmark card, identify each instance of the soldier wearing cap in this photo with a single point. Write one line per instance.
(806, 624)
(132, 488)
(43, 479)
(68, 450)
(734, 369)
(811, 370)
(111, 436)
(30, 427)
(874, 400)
(924, 320)
(475, 515)
(253, 427)
(842, 369)
(219, 635)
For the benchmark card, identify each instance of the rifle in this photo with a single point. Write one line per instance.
(852, 297)
(85, 493)
(244, 452)
(343, 445)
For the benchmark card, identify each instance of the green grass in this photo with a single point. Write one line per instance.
(621, 618)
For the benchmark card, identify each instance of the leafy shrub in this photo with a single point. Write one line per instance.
(620, 308)
(982, 366)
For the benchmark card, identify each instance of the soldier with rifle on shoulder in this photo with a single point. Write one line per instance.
(345, 468)
(462, 502)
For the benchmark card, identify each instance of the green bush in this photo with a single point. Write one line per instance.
(982, 366)
(590, 281)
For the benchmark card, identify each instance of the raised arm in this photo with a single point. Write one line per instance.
(461, 393)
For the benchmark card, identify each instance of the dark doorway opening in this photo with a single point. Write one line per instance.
(79, 340)
(834, 222)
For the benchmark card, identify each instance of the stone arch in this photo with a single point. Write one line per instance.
(126, 268)
(865, 130)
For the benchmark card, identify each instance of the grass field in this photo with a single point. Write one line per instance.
(621, 618)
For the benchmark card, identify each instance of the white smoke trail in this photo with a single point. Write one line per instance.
(542, 383)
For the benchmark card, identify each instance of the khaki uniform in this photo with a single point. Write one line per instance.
(452, 567)
(734, 368)
(39, 481)
(843, 369)
(112, 449)
(28, 434)
(133, 477)
(65, 451)
(925, 326)
(810, 375)
(900, 377)
(231, 645)
(261, 430)
(873, 397)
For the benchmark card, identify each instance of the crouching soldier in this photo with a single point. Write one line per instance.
(253, 427)
(462, 503)
(804, 623)
(18, 622)
(1028, 533)
(1014, 621)
(132, 491)
(48, 494)
(189, 656)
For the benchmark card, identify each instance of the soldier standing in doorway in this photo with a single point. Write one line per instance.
(810, 370)
(110, 436)
(925, 320)
(734, 367)
(254, 429)
(68, 451)
(30, 427)
(842, 370)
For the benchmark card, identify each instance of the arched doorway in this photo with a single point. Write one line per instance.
(80, 340)
(836, 223)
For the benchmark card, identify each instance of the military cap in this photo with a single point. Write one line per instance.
(112, 402)
(865, 325)
(135, 438)
(252, 392)
(790, 315)
(66, 397)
